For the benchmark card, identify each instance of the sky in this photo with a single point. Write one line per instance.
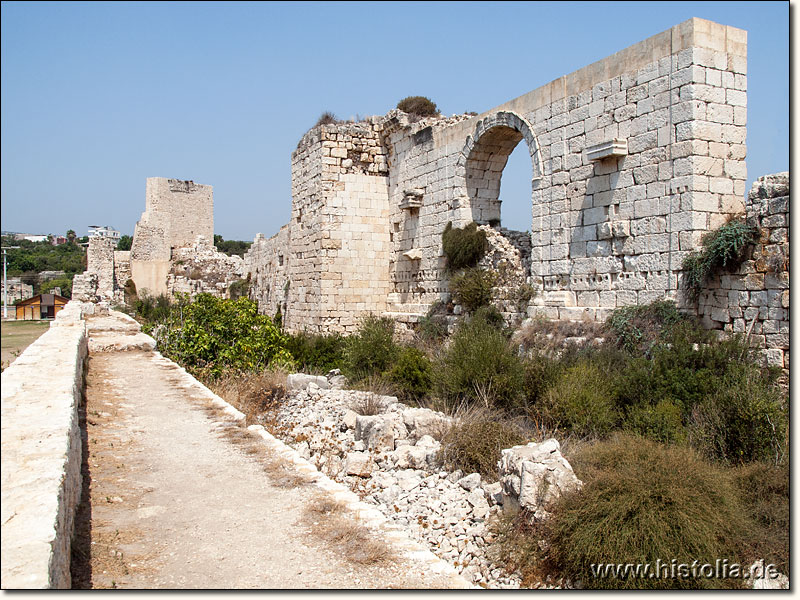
(96, 97)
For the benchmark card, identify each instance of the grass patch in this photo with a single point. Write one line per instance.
(332, 522)
(463, 247)
(18, 335)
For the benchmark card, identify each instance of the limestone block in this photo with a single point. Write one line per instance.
(535, 476)
(300, 381)
(359, 464)
(425, 422)
(379, 432)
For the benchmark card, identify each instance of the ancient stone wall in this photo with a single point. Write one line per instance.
(100, 260)
(755, 298)
(41, 454)
(176, 212)
(200, 268)
(633, 159)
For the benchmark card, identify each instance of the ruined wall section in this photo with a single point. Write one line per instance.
(201, 268)
(755, 299)
(633, 157)
(176, 212)
(337, 253)
(266, 262)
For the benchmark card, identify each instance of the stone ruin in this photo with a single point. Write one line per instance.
(172, 250)
(634, 159)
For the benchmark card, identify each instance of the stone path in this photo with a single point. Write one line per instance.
(175, 503)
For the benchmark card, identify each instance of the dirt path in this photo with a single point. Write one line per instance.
(175, 503)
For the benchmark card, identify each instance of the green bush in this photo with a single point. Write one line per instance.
(371, 350)
(479, 361)
(582, 401)
(210, 336)
(316, 352)
(433, 326)
(491, 315)
(723, 248)
(661, 422)
(638, 328)
(474, 445)
(153, 309)
(464, 247)
(472, 288)
(239, 288)
(411, 374)
(742, 419)
(642, 502)
(418, 105)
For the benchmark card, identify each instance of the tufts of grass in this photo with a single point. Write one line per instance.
(643, 501)
(332, 522)
(463, 247)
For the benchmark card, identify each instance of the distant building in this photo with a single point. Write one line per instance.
(48, 275)
(58, 240)
(104, 231)
(31, 237)
(43, 306)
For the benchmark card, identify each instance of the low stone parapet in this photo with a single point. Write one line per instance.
(41, 454)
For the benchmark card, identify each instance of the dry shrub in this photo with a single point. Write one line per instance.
(764, 490)
(253, 394)
(643, 501)
(368, 404)
(332, 522)
(473, 443)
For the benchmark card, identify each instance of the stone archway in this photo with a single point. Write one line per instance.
(484, 157)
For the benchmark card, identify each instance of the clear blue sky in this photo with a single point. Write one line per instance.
(96, 97)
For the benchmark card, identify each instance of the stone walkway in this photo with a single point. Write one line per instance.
(181, 497)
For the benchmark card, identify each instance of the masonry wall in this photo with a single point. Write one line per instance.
(634, 158)
(41, 455)
(176, 213)
(755, 298)
(100, 260)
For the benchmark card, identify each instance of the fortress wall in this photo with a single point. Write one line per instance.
(41, 454)
(755, 298)
(606, 232)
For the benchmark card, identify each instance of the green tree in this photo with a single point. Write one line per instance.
(125, 242)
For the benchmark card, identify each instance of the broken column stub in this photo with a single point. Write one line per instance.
(535, 476)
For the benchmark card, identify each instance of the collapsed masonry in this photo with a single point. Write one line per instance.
(634, 158)
(172, 250)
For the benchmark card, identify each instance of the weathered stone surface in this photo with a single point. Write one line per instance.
(379, 432)
(41, 455)
(425, 422)
(300, 381)
(534, 476)
(359, 464)
(470, 482)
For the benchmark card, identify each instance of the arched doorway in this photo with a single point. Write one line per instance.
(484, 158)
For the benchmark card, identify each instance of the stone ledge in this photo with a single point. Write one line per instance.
(41, 455)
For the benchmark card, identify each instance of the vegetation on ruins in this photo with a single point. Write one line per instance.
(721, 249)
(472, 288)
(326, 118)
(211, 336)
(419, 106)
(463, 247)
